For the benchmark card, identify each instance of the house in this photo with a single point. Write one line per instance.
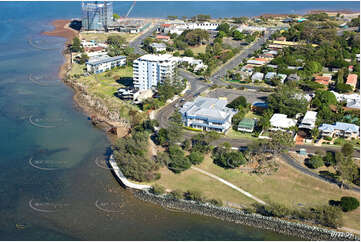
(344, 130)
(248, 70)
(258, 106)
(282, 38)
(281, 122)
(132, 94)
(282, 77)
(257, 62)
(163, 38)
(350, 68)
(207, 114)
(272, 66)
(300, 96)
(309, 120)
(258, 76)
(105, 63)
(270, 75)
(197, 64)
(159, 47)
(324, 80)
(293, 77)
(352, 100)
(352, 80)
(246, 125)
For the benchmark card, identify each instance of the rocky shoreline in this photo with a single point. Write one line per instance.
(299, 230)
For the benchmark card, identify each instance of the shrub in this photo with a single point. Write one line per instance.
(216, 202)
(157, 189)
(194, 195)
(196, 157)
(327, 138)
(314, 162)
(349, 203)
(329, 158)
(176, 194)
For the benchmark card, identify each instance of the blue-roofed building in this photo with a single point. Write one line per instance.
(208, 114)
(344, 130)
(105, 63)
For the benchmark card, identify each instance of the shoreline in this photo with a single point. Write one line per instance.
(91, 106)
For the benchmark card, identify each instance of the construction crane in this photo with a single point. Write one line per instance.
(130, 9)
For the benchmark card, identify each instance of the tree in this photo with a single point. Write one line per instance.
(315, 162)
(196, 158)
(188, 52)
(194, 195)
(178, 162)
(228, 159)
(312, 67)
(157, 189)
(236, 103)
(285, 101)
(76, 45)
(349, 203)
(116, 16)
(186, 144)
(347, 149)
(224, 27)
(346, 170)
(315, 133)
(329, 159)
(343, 88)
(83, 58)
(280, 141)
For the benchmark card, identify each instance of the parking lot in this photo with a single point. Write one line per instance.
(231, 94)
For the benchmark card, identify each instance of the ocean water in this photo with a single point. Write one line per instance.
(54, 184)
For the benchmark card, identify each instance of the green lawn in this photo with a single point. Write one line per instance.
(287, 186)
(237, 134)
(104, 85)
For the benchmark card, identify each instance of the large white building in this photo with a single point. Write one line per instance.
(105, 63)
(149, 70)
(281, 122)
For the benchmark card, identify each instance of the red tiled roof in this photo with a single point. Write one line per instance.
(352, 80)
(162, 37)
(260, 59)
(166, 25)
(324, 80)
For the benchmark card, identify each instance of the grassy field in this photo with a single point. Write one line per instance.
(236, 134)
(196, 49)
(101, 37)
(104, 86)
(287, 186)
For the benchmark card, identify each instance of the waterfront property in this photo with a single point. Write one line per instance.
(207, 114)
(150, 70)
(340, 129)
(280, 122)
(309, 120)
(105, 63)
(246, 125)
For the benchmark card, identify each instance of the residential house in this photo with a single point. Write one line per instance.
(309, 120)
(197, 64)
(282, 77)
(209, 114)
(270, 75)
(352, 100)
(246, 125)
(344, 130)
(248, 70)
(281, 122)
(165, 38)
(158, 47)
(258, 76)
(352, 80)
(105, 63)
(324, 80)
(293, 77)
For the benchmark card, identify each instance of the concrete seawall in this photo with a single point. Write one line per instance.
(299, 230)
(119, 175)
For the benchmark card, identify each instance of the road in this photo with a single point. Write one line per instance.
(304, 170)
(136, 44)
(218, 75)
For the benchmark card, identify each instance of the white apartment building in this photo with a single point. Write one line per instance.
(105, 63)
(149, 70)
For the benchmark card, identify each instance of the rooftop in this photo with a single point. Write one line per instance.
(104, 59)
(352, 80)
(212, 109)
(281, 120)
